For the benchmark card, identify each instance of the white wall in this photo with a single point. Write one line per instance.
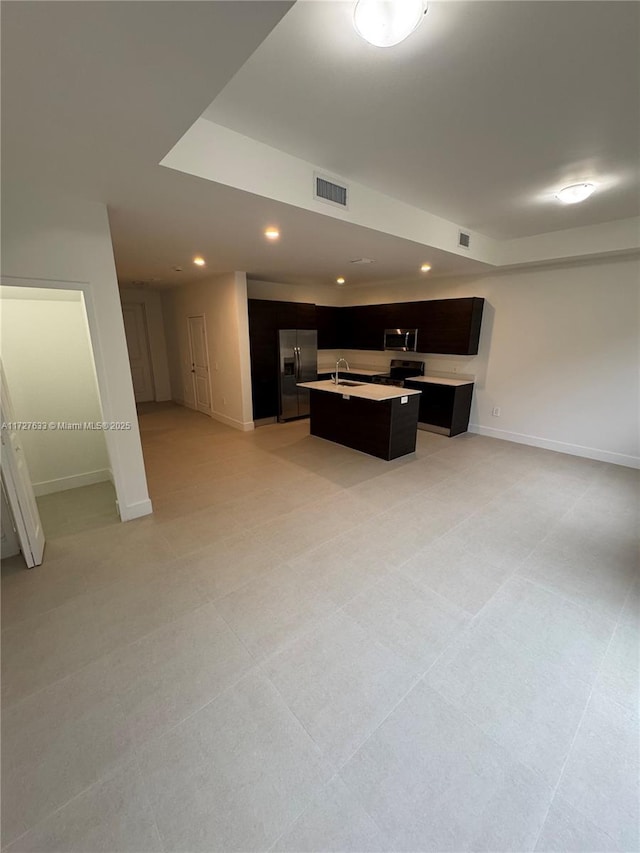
(559, 354)
(222, 299)
(61, 240)
(157, 343)
(316, 294)
(46, 353)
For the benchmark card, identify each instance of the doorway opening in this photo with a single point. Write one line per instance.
(137, 334)
(57, 471)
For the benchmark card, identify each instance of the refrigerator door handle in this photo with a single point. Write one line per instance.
(296, 352)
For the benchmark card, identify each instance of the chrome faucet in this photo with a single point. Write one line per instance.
(338, 362)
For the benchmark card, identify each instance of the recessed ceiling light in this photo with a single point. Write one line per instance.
(425, 267)
(198, 261)
(575, 193)
(385, 23)
(271, 233)
(340, 280)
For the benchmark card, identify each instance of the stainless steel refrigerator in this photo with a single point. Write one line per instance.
(298, 362)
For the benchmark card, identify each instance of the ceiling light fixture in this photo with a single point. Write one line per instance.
(198, 261)
(340, 280)
(271, 233)
(385, 23)
(425, 267)
(575, 193)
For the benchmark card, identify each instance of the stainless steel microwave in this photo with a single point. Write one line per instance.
(401, 340)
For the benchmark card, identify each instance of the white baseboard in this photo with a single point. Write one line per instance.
(558, 446)
(137, 510)
(244, 426)
(76, 481)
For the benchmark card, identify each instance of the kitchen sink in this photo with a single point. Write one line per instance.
(352, 384)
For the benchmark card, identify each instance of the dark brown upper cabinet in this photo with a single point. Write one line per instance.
(450, 326)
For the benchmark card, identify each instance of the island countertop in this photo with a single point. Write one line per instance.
(366, 390)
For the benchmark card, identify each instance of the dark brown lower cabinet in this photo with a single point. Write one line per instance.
(383, 428)
(444, 409)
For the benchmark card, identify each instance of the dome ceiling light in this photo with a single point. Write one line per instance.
(385, 23)
(575, 193)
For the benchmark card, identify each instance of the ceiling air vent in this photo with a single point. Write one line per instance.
(326, 189)
(464, 240)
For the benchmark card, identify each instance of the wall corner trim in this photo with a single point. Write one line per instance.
(244, 426)
(135, 510)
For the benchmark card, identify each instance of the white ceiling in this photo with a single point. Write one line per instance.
(478, 117)
(95, 94)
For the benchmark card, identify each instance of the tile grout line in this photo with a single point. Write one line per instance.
(421, 679)
(579, 726)
(13, 705)
(105, 777)
(260, 663)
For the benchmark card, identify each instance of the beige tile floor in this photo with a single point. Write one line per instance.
(307, 649)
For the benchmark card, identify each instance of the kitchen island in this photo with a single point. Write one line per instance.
(380, 420)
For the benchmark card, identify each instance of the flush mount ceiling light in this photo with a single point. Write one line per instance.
(271, 233)
(198, 261)
(385, 23)
(340, 280)
(575, 193)
(425, 267)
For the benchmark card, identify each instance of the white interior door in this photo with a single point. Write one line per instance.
(200, 363)
(16, 483)
(135, 329)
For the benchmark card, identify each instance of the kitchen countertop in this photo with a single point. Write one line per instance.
(367, 391)
(439, 380)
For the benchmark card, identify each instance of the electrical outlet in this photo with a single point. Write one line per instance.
(496, 411)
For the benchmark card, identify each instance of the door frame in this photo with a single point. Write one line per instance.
(17, 486)
(193, 375)
(99, 362)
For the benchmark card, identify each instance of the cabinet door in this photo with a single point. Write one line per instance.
(366, 327)
(327, 320)
(436, 405)
(346, 328)
(306, 316)
(287, 316)
(450, 326)
(263, 344)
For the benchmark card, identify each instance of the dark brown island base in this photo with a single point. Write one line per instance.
(380, 420)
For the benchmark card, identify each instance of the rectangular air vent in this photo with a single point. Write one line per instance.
(325, 189)
(464, 240)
